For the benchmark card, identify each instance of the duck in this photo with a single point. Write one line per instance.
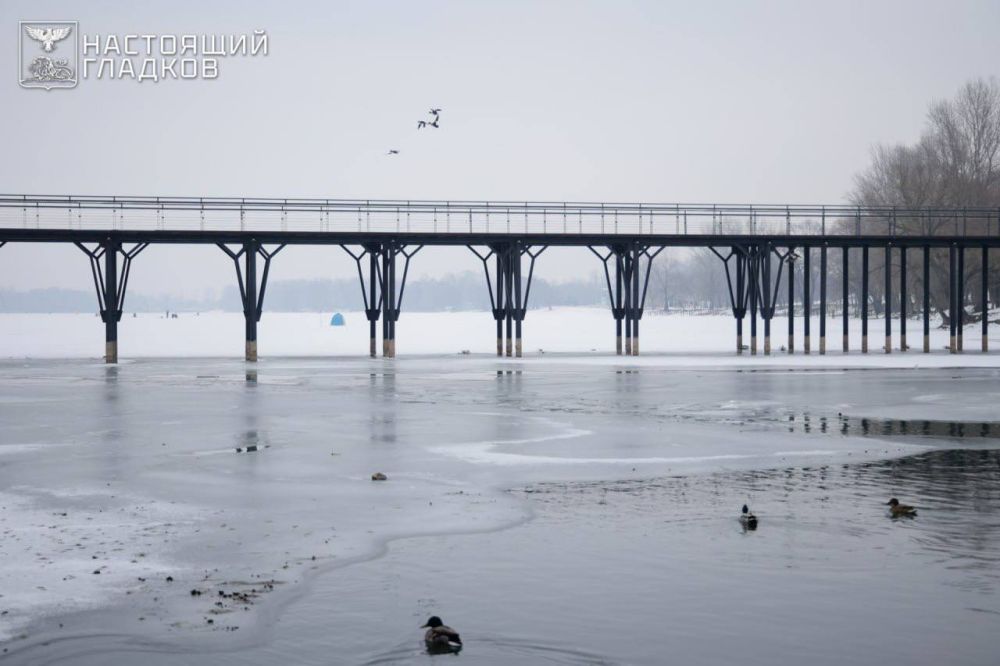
(747, 519)
(440, 638)
(897, 510)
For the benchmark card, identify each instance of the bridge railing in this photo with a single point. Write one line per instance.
(486, 217)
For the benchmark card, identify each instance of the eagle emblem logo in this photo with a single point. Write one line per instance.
(48, 36)
(49, 54)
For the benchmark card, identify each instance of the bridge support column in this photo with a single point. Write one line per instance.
(373, 308)
(983, 295)
(386, 299)
(508, 277)
(806, 299)
(960, 298)
(902, 298)
(767, 311)
(845, 298)
(112, 318)
(952, 289)
(635, 303)
(252, 298)
(753, 260)
(887, 269)
(499, 309)
(864, 299)
(927, 298)
(518, 309)
(790, 259)
(110, 285)
(822, 299)
(769, 293)
(617, 309)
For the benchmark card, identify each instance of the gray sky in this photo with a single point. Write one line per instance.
(646, 101)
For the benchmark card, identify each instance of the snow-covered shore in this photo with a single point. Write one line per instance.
(675, 338)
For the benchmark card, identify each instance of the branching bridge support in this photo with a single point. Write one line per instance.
(251, 296)
(110, 286)
(509, 301)
(381, 290)
(741, 282)
(628, 294)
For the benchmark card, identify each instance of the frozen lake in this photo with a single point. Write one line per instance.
(566, 510)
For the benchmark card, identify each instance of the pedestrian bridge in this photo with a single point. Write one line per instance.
(756, 244)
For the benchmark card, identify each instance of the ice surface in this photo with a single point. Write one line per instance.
(133, 470)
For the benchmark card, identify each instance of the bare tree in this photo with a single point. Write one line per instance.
(956, 163)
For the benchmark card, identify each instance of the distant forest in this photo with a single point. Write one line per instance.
(464, 291)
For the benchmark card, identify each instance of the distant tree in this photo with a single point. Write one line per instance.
(956, 163)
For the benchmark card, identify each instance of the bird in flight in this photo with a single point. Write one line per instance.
(48, 36)
(431, 123)
(393, 152)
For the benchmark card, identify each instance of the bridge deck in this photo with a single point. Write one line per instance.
(332, 221)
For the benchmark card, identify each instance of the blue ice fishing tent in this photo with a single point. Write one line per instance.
(337, 319)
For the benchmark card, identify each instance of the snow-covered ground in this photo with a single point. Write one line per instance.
(676, 338)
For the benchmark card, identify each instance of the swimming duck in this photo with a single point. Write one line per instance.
(898, 510)
(440, 638)
(747, 519)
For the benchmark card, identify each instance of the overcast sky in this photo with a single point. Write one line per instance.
(646, 101)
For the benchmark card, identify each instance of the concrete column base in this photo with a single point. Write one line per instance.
(902, 342)
(927, 344)
(628, 346)
(618, 345)
(753, 345)
(510, 346)
(952, 345)
(822, 345)
(739, 344)
(767, 345)
(791, 345)
(847, 345)
(806, 348)
(635, 346)
(960, 345)
(371, 348)
(251, 351)
(499, 346)
(986, 343)
(888, 344)
(517, 348)
(111, 352)
(864, 344)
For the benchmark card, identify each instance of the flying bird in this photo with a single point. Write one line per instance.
(434, 124)
(49, 36)
(393, 152)
(435, 112)
(421, 124)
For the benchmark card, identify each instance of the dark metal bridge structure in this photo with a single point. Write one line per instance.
(757, 246)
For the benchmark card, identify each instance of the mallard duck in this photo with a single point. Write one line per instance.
(898, 510)
(439, 637)
(747, 519)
